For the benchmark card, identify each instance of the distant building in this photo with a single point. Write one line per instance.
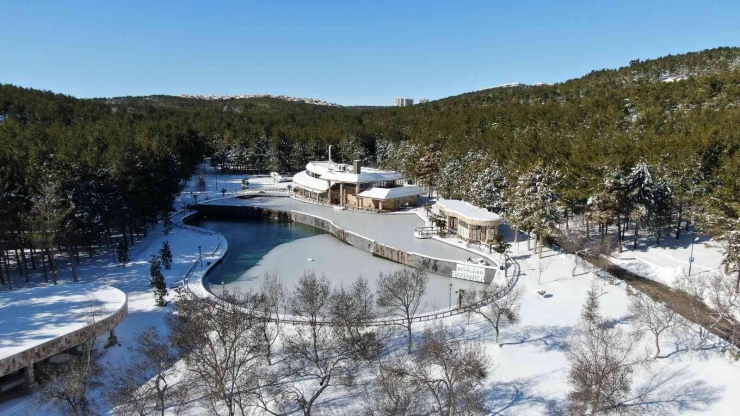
(423, 100)
(404, 102)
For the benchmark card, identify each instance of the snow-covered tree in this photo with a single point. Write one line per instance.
(488, 188)
(650, 198)
(732, 249)
(602, 209)
(452, 176)
(47, 215)
(688, 183)
(429, 169)
(533, 201)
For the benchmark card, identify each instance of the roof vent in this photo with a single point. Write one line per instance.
(357, 166)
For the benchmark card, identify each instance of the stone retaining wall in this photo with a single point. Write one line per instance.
(433, 265)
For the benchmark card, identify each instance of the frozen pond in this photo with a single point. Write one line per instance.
(257, 247)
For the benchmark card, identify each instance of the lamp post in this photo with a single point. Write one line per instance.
(450, 307)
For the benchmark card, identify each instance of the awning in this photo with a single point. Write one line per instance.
(391, 193)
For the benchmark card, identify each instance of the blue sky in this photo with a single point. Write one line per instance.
(348, 52)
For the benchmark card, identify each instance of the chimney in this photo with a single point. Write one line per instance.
(357, 166)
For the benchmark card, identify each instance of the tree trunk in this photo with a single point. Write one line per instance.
(678, 226)
(541, 238)
(7, 269)
(52, 264)
(657, 347)
(2, 274)
(408, 328)
(495, 328)
(33, 257)
(18, 263)
(619, 234)
(43, 263)
(634, 247)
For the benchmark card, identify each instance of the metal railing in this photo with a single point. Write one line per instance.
(426, 231)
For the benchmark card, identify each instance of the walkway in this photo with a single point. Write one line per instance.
(395, 230)
(683, 304)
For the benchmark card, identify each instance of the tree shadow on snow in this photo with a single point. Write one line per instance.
(551, 338)
(502, 397)
(667, 392)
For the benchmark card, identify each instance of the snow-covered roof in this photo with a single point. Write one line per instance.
(338, 172)
(391, 193)
(468, 212)
(304, 180)
(33, 317)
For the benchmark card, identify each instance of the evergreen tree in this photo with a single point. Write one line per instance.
(590, 313)
(165, 255)
(533, 201)
(488, 189)
(157, 281)
(167, 225)
(452, 175)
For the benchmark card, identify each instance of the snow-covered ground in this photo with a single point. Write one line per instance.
(217, 181)
(670, 260)
(529, 369)
(31, 317)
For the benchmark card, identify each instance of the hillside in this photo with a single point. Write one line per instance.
(611, 117)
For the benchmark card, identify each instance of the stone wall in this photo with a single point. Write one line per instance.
(416, 260)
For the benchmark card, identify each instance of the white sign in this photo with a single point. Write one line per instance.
(473, 273)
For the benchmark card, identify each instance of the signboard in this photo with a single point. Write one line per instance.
(691, 259)
(472, 273)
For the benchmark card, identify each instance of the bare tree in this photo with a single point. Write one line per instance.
(602, 359)
(393, 394)
(502, 304)
(541, 267)
(328, 350)
(68, 389)
(272, 299)
(223, 348)
(655, 317)
(449, 370)
(716, 291)
(573, 241)
(143, 386)
(400, 293)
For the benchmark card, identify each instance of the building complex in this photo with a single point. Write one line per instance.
(354, 186)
